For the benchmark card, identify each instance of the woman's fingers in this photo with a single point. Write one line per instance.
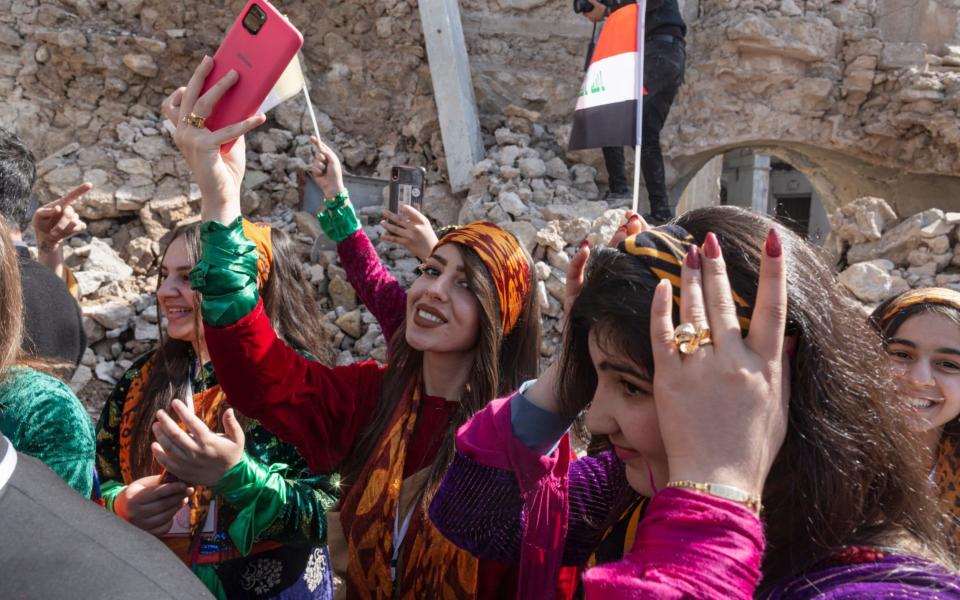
(232, 132)
(205, 103)
(171, 436)
(393, 228)
(770, 310)
(575, 275)
(691, 292)
(391, 216)
(170, 107)
(195, 425)
(666, 357)
(718, 297)
(411, 213)
(192, 91)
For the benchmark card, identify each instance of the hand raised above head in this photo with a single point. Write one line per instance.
(722, 408)
(326, 169)
(219, 176)
(58, 220)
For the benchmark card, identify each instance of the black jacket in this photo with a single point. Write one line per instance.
(53, 327)
(663, 17)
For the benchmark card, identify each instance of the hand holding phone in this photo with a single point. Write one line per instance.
(258, 47)
(406, 187)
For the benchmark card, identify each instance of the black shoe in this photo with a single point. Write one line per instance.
(657, 218)
(618, 194)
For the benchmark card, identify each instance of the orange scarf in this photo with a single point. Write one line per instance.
(209, 406)
(429, 565)
(948, 486)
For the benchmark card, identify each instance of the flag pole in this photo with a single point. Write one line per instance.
(313, 117)
(641, 27)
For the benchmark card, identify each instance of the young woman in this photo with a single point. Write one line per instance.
(467, 331)
(921, 333)
(39, 414)
(241, 508)
(846, 506)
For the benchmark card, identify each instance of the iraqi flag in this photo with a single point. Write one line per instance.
(609, 104)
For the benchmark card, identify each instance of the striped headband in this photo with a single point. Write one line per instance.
(934, 295)
(505, 260)
(662, 250)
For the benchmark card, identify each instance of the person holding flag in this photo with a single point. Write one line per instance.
(610, 102)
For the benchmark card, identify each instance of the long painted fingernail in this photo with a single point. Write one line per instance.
(633, 218)
(773, 246)
(711, 247)
(693, 257)
(583, 244)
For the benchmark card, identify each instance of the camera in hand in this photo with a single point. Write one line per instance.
(582, 6)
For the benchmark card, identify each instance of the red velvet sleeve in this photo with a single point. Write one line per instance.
(318, 409)
(379, 291)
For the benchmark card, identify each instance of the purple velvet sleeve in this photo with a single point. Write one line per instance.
(379, 291)
(479, 508)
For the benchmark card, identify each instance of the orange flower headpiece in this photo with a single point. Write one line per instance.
(259, 234)
(505, 260)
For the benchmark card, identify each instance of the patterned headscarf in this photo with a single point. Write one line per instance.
(662, 250)
(504, 258)
(888, 314)
(259, 234)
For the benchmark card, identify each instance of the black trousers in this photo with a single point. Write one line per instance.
(663, 68)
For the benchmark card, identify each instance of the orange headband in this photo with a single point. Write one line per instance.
(504, 258)
(941, 296)
(259, 234)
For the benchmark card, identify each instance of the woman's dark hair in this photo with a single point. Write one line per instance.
(501, 364)
(290, 302)
(848, 472)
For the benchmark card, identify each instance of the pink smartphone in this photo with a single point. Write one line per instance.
(259, 46)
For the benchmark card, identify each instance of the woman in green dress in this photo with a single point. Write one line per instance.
(39, 414)
(234, 502)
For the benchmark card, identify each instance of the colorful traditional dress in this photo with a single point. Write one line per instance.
(504, 500)
(42, 417)
(267, 537)
(323, 411)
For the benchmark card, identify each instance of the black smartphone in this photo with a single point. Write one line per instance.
(406, 187)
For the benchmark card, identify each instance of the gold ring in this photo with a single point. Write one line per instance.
(195, 120)
(688, 338)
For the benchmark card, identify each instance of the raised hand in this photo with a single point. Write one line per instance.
(151, 505)
(219, 176)
(410, 229)
(197, 455)
(634, 224)
(722, 408)
(326, 169)
(53, 223)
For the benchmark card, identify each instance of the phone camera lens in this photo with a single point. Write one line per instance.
(254, 19)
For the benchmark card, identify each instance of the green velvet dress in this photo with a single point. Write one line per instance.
(297, 502)
(43, 418)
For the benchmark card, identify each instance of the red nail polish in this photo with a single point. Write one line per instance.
(773, 247)
(693, 257)
(711, 247)
(584, 244)
(633, 218)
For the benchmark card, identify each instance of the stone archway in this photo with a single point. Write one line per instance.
(837, 177)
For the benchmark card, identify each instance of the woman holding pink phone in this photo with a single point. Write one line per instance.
(467, 330)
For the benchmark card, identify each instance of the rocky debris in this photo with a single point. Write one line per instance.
(886, 256)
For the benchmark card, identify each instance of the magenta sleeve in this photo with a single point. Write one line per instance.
(379, 291)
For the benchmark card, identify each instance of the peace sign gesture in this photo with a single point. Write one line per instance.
(722, 407)
(219, 176)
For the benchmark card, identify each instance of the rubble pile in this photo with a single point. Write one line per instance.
(885, 255)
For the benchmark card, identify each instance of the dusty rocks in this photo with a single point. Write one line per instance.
(919, 251)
